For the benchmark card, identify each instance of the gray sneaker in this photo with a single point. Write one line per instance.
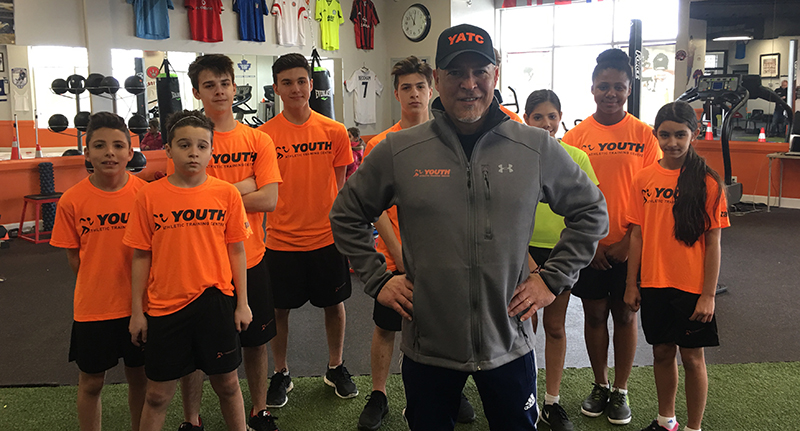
(618, 410)
(595, 404)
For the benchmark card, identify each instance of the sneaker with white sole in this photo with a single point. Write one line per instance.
(618, 410)
(279, 385)
(654, 426)
(339, 378)
(555, 416)
(262, 421)
(595, 404)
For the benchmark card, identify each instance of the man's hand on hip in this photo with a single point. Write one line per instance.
(398, 294)
(530, 296)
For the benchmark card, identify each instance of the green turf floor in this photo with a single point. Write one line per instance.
(741, 397)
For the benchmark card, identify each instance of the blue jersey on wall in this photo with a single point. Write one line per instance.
(152, 20)
(251, 19)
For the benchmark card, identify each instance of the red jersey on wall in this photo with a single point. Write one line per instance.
(204, 20)
(364, 17)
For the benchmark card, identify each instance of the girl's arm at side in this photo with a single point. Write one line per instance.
(140, 272)
(632, 296)
(74, 259)
(236, 255)
(704, 310)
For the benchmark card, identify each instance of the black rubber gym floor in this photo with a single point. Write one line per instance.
(760, 267)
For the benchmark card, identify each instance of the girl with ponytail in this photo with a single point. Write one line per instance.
(678, 211)
(619, 145)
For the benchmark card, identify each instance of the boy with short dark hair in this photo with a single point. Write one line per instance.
(90, 222)
(187, 232)
(304, 265)
(246, 158)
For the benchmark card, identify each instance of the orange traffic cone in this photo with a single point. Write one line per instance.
(38, 151)
(709, 132)
(14, 148)
(762, 137)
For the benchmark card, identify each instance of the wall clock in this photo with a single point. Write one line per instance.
(416, 22)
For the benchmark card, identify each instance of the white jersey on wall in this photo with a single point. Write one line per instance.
(290, 24)
(365, 85)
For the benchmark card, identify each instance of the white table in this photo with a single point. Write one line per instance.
(781, 157)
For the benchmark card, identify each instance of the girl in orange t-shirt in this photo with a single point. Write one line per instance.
(619, 146)
(672, 229)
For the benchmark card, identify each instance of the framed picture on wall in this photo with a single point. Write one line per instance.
(2, 63)
(770, 65)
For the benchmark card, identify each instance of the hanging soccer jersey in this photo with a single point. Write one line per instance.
(152, 20)
(364, 18)
(290, 24)
(365, 85)
(329, 15)
(251, 19)
(204, 20)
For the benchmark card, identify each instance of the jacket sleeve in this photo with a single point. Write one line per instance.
(364, 197)
(571, 194)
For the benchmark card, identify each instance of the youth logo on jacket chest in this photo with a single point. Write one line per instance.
(304, 149)
(432, 173)
(609, 148)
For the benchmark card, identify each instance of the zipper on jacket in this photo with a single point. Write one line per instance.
(487, 233)
(469, 176)
(473, 249)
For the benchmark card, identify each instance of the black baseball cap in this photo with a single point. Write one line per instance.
(460, 39)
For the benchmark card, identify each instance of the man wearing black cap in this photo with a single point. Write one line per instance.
(466, 185)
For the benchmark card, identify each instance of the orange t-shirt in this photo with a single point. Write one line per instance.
(93, 221)
(187, 231)
(511, 114)
(380, 245)
(242, 153)
(667, 262)
(617, 153)
(307, 156)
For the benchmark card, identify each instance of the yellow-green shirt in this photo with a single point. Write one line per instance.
(329, 15)
(548, 227)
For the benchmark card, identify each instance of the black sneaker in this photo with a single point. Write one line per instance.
(262, 421)
(654, 426)
(595, 404)
(466, 414)
(339, 378)
(279, 386)
(618, 410)
(376, 409)
(555, 416)
(187, 426)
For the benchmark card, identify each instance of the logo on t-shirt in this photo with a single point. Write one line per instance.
(604, 148)
(190, 217)
(109, 221)
(659, 195)
(233, 160)
(304, 149)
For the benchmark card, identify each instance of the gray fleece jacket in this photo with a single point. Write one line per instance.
(465, 227)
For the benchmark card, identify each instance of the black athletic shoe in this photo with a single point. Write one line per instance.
(376, 409)
(654, 426)
(187, 426)
(466, 414)
(339, 378)
(595, 404)
(618, 410)
(555, 416)
(262, 421)
(279, 386)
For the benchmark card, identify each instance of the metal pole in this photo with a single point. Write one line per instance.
(77, 110)
(792, 75)
(635, 52)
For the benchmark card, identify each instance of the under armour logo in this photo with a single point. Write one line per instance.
(507, 168)
(531, 402)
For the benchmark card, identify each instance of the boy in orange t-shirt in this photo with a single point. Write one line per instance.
(245, 158)
(313, 154)
(187, 231)
(90, 222)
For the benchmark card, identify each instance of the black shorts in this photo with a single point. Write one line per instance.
(259, 297)
(665, 319)
(321, 276)
(97, 346)
(598, 284)
(201, 335)
(386, 318)
(539, 254)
